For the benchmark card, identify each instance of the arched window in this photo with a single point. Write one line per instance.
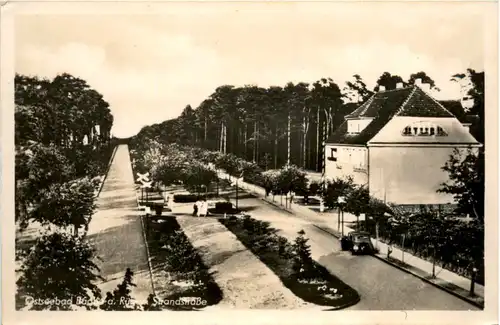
(423, 128)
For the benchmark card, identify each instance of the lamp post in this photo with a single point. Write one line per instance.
(237, 178)
(341, 201)
(143, 179)
(473, 281)
(146, 185)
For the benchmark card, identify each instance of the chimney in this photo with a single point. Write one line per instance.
(418, 81)
(425, 87)
(399, 85)
(381, 88)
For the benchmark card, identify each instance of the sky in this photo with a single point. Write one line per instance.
(149, 67)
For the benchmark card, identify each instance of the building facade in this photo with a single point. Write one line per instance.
(396, 144)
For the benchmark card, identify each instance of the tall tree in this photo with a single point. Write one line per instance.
(356, 90)
(473, 82)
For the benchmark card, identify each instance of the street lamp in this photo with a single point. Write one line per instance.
(143, 179)
(236, 183)
(473, 281)
(146, 185)
(341, 200)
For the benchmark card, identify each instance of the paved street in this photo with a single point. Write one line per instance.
(381, 286)
(116, 229)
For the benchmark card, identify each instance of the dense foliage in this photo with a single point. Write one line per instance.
(59, 266)
(63, 146)
(62, 135)
(172, 252)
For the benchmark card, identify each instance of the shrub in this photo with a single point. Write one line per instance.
(59, 266)
(120, 299)
(182, 257)
(223, 206)
(303, 264)
(284, 249)
(186, 198)
(191, 198)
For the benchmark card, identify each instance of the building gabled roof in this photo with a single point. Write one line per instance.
(383, 106)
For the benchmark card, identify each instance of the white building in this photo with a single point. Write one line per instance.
(396, 144)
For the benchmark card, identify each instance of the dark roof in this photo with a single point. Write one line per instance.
(383, 106)
(456, 108)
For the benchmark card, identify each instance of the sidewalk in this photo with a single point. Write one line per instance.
(328, 221)
(116, 230)
(245, 281)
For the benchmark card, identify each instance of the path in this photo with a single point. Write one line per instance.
(116, 230)
(246, 282)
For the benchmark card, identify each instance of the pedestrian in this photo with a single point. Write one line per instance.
(205, 207)
(195, 209)
(202, 208)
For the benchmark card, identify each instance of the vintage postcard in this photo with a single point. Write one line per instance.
(249, 162)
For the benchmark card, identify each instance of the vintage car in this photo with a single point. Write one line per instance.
(358, 242)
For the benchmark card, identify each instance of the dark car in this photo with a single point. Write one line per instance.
(358, 242)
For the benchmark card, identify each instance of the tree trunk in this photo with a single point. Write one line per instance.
(254, 141)
(305, 127)
(258, 144)
(221, 137)
(276, 147)
(205, 134)
(289, 140)
(246, 142)
(225, 139)
(318, 167)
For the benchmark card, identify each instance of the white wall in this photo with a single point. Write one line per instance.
(351, 161)
(409, 175)
(357, 125)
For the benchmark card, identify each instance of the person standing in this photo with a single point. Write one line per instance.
(195, 209)
(202, 208)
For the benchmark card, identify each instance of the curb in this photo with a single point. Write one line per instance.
(275, 205)
(107, 171)
(147, 252)
(144, 237)
(458, 295)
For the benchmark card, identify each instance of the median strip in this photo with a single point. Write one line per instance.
(245, 281)
(292, 263)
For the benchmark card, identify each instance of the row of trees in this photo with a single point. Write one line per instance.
(63, 146)
(196, 168)
(54, 164)
(272, 126)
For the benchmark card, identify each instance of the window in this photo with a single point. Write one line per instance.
(423, 129)
(333, 154)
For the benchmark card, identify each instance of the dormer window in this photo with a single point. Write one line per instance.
(355, 126)
(423, 129)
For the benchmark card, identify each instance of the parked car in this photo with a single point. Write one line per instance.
(358, 242)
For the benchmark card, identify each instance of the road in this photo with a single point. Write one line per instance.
(381, 286)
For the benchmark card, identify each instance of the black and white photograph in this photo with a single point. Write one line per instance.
(324, 157)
